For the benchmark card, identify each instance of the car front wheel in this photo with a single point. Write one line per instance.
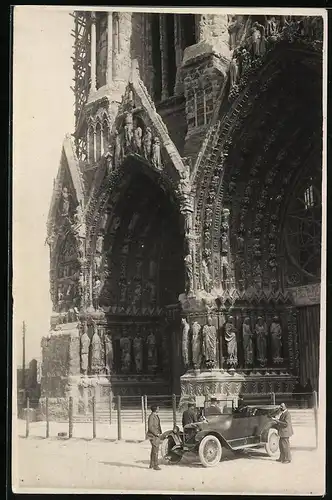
(169, 456)
(210, 451)
(272, 444)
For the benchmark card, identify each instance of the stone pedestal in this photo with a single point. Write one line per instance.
(225, 386)
(60, 370)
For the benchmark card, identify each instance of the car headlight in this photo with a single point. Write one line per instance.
(176, 429)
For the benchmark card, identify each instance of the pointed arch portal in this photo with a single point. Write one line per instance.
(143, 253)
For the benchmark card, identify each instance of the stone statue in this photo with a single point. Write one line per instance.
(233, 29)
(276, 340)
(184, 182)
(85, 344)
(99, 243)
(96, 290)
(231, 342)
(185, 342)
(138, 352)
(258, 39)
(152, 291)
(96, 353)
(65, 201)
(206, 277)
(188, 263)
(108, 354)
(147, 143)
(261, 340)
(224, 231)
(234, 69)
(271, 26)
(210, 343)
(115, 225)
(118, 150)
(125, 346)
(244, 57)
(128, 132)
(109, 158)
(152, 352)
(156, 156)
(137, 293)
(80, 226)
(196, 344)
(81, 284)
(138, 139)
(123, 291)
(247, 342)
(97, 261)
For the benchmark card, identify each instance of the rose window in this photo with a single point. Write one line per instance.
(303, 227)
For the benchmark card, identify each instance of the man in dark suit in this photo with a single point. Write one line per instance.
(285, 430)
(213, 409)
(153, 434)
(189, 416)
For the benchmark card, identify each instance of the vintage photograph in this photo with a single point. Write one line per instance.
(169, 254)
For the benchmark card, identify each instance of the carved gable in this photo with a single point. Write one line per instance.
(68, 190)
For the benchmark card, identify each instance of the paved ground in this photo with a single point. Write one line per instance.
(105, 464)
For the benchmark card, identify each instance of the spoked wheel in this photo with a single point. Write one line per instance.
(169, 456)
(272, 444)
(210, 451)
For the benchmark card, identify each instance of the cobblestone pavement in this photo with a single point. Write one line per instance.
(104, 464)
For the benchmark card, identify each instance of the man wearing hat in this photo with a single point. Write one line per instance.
(213, 409)
(285, 430)
(189, 416)
(153, 434)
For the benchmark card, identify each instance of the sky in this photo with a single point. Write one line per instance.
(43, 113)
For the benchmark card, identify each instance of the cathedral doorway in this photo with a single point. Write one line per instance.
(143, 248)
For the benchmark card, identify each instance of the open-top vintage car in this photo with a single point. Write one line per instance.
(246, 427)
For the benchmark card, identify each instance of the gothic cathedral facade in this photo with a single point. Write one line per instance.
(185, 221)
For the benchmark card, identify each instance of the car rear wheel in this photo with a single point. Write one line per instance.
(272, 444)
(210, 451)
(169, 456)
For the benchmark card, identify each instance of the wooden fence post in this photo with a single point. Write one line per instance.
(94, 417)
(145, 414)
(47, 419)
(70, 416)
(142, 408)
(174, 408)
(27, 418)
(119, 417)
(315, 404)
(110, 401)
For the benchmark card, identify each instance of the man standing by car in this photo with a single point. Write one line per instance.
(285, 430)
(189, 416)
(153, 434)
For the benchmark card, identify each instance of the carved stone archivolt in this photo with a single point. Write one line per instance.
(218, 182)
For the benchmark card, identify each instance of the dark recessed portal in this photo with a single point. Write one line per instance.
(144, 245)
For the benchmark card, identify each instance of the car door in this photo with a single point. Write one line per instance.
(245, 428)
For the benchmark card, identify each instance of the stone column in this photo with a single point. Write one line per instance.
(214, 30)
(178, 53)
(93, 52)
(122, 29)
(163, 52)
(109, 48)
